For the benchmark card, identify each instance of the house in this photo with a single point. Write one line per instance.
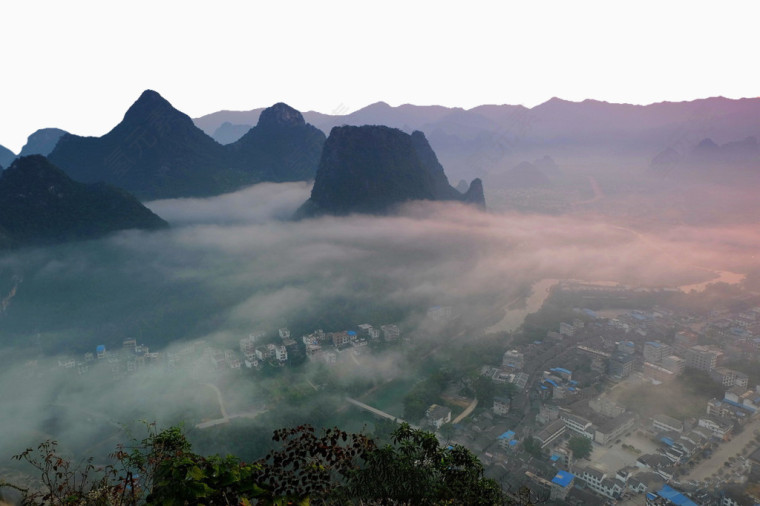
(560, 485)
(390, 332)
(669, 495)
(506, 438)
(340, 339)
(719, 427)
(513, 359)
(501, 405)
(438, 415)
(598, 482)
(281, 354)
(620, 365)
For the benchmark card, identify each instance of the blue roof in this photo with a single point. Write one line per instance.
(674, 496)
(667, 441)
(736, 404)
(651, 496)
(559, 369)
(563, 478)
(513, 442)
(544, 387)
(552, 382)
(573, 382)
(572, 389)
(554, 458)
(351, 333)
(654, 343)
(101, 347)
(507, 435)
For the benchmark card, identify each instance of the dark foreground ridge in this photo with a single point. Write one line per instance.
(40, 204)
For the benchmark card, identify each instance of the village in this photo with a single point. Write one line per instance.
(610, 407)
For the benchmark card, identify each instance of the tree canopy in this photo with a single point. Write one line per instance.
(331, 467)
(580, 446)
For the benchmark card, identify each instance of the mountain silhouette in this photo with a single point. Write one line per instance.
(40, 204)
(372, 169)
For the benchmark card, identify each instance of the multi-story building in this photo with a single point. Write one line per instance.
(513, 359)
(501, 405)
(666, 423)
(578, 424)
(724, 376)
(550, 433)
(610, 430)
(655, 351)
(390, 332)
(620, 365)
(684, 340)
(656, 372)
(702, 358)
(674, 364)
(719, 427)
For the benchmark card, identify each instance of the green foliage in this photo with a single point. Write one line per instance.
(423, 394)
(580, 446)
(485, 390)
(333, 467)
(416, 469)
(533, 448)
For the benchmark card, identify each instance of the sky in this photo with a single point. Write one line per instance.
(79, 64)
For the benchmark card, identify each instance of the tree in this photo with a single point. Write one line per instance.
(484, 391)
(533, 447)
(332, 467)
(416, 469)
(580, 446)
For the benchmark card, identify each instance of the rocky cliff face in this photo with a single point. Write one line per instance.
(372, 169)
(40, 204)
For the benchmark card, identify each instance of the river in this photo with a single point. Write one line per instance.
(542, 288)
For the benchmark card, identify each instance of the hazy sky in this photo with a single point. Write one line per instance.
(79, 64)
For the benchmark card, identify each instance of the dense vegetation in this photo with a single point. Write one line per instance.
(333, 467)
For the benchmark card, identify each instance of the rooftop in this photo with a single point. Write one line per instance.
(674, 496)
(563, 478)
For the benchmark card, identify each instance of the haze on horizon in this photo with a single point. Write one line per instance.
(81, 68)
(230, 266)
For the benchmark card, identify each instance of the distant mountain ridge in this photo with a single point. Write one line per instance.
(6, 157)
(492, 138)
(42, 142)
(371, 169)
(157, 151)
(40, 204)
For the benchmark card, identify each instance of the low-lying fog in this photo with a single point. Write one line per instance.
(232, 264)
